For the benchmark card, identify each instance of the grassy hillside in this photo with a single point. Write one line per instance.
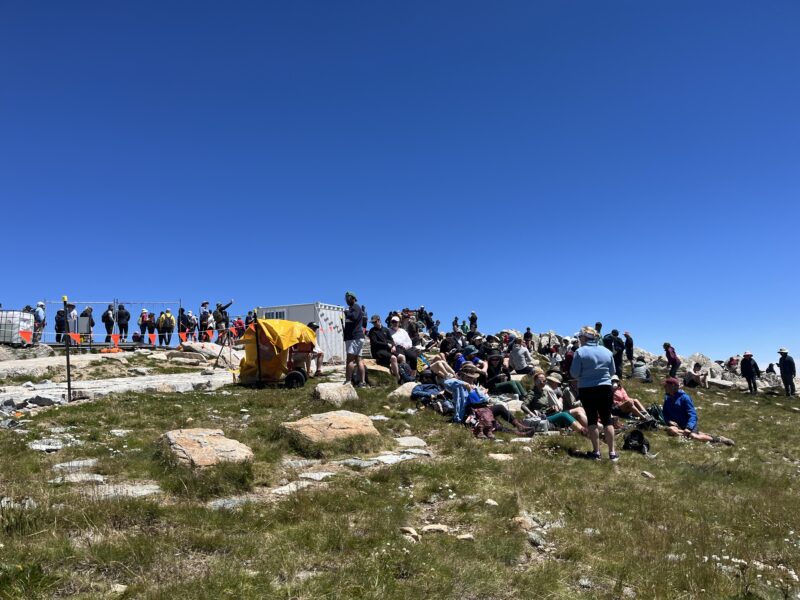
(714, 522)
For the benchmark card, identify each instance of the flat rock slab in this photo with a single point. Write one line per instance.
(331, 426)
(356, 463)
(393, 459)
(317, 475)
(74, 466)
(335, 393)
(206, 447)
(410, 442)
(123, 490)
(299, 463)
(53, 444)
(227, 358)
(289, 489)
(404, 391)
(188, 362)
(501, 457)
(120, 433)
(721, 383)
(79, 478)
(187, 355)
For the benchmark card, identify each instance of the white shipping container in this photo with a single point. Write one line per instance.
(330, 337)
(11, 322)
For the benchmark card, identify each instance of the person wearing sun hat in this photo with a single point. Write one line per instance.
(593, 366)
(788, 371)
(750, 371)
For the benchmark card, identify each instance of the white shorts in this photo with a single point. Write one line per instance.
(354, 347)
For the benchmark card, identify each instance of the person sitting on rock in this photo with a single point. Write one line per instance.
(640, 370)
(624, 405)
(498, 377)
(681, 416)
(382, 345)
(402, 342)
(520, 358)
(548, 402)
(750, 371)
(696, 377)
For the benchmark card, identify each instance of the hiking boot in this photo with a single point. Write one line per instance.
(720, 439)
(591, 455)
(613, 457)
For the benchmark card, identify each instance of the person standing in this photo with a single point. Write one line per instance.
(61, 325)
(143, 320)
(473, 321)
(672, 359)
(788, 372)
(123, 318)
(593, 366)
(750, 371)
(629, 348)
(39, 322)
(87, 314)
(354, 339)
(166, 325)
(108, 322)
(616, 346)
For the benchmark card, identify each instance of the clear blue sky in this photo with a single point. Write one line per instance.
(543, 163)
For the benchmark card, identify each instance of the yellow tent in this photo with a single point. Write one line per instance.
(275, 337)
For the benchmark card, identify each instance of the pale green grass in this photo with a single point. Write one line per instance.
(623, 532)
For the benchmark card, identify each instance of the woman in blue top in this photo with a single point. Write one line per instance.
(593, 366)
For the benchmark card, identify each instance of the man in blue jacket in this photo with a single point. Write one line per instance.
(681, 417)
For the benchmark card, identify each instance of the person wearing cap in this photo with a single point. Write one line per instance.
(191, 327)
(548, 400)
(144, 317)
(788, 371)
(382, 345)
(593, 366)
(672, 359)
(750, 371)
(624, 404)
(39, 322)
(354, 340)
(681, 416)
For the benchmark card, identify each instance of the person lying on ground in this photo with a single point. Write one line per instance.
(696, 377)
(624, 404)
(681, 416)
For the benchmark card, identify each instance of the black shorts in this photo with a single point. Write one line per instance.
(383, 358)
(597, 402)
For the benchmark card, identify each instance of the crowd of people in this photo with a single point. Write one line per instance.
(581, 387)
(149, 328)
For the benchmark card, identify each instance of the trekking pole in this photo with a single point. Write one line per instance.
(66, 347)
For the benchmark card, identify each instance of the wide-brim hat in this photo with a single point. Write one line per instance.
(615, 378)
(470, 370)
(748, 353)
(555, 377)
(469, 350)
(783, 351)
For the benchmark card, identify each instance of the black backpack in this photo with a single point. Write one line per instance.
(635, 440)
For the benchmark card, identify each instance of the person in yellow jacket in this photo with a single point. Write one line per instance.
(166, 325)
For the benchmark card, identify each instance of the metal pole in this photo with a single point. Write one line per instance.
(258, 351)
(66, 347)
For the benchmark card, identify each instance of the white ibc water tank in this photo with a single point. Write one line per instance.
(11, 322)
